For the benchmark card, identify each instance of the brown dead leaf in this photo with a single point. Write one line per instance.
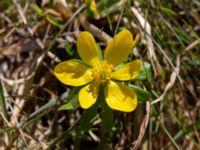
(62, 7)
(21, 46)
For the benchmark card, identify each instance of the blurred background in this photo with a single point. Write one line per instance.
(39, 112)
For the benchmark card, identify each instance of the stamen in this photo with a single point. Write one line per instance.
(103, 72)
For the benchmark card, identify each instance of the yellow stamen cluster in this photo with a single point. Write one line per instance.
(102, 73)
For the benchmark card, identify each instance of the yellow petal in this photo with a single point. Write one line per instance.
(73, 73)
(120, 97)
(88, 95)
(87, 48)
(119, 48)
(92, 5)
(128, 71)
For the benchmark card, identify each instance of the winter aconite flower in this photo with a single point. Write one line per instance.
(91, 5)
(102, 73)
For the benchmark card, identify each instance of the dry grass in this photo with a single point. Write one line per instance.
(36, 38)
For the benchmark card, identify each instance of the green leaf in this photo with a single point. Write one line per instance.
(71, 104)
(100, 52)
(54, 21)
(88, 117)
(39, 10)
(2, 131)
(168, 10)
(69, 49)
(145, 72)
(107, 4)
(106, 113)
(40, 112)
(170, 137)
(142, 94)
(72, 99)
(107, 118)
(4, 110)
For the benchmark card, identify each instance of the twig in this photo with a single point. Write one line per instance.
(46, 34)
(163, 52)
(4, 112)
(170, 83)
(192, 45)
(101, 35)
(14, 116)
(65, 25)
(143, 128)
(93, 136)
(4, 118)
(40, 59)
(147, 28)
(172, 30)
(18, 126)
(120, 18)
(19, 9)
(63, 135)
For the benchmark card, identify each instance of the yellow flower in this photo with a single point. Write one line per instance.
(102, 72)
(91, 5)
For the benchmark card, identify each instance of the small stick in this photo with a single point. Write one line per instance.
(170, 83)
(101, 35)
(143, 127)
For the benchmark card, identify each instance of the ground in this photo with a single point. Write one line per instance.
(37, 111)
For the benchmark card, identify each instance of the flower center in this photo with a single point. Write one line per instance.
(102, 73)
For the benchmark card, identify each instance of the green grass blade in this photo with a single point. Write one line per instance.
(170, 137)
(2, 102)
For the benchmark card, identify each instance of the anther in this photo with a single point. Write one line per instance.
(103, 72)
